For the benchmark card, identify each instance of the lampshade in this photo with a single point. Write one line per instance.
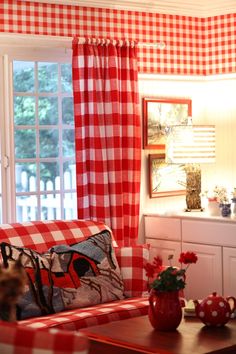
(191, 144)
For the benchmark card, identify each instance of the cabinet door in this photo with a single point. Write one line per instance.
(229, 271)
(163, 249)
(205, 276)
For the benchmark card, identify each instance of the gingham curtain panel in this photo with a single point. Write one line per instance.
(107, 135)
(15, 339)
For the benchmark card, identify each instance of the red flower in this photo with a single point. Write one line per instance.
(150, 270)
(188, 257)
(157, 262)
(169, 278)
(153, 268)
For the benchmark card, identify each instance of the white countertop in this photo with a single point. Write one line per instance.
(200, 215)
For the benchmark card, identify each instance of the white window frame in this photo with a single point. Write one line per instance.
(28, 48)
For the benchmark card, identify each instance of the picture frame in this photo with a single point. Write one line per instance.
(165, 179)
(159, 114)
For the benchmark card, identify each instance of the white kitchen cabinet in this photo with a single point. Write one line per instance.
(205, 276)
(229, 271)
(213, 239)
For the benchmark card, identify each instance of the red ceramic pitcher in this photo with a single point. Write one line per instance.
(165, 310)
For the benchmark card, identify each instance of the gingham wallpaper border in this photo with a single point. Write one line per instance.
(194, 46)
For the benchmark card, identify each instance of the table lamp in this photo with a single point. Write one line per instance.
(191, 145)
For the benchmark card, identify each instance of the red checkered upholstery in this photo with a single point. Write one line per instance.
(132, 261)
(40, 235)
(16, 339)
(91, 316)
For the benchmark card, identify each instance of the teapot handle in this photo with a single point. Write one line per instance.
(233, 308)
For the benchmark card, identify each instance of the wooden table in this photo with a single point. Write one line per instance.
(136, 335)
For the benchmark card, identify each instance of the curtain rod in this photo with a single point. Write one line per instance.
(56, 41)
(157, 45)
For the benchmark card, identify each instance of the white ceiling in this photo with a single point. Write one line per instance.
(198, 8)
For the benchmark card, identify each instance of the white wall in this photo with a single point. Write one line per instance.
(213, 102)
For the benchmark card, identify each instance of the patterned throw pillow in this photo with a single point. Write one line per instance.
(68, 277)
(132, 261)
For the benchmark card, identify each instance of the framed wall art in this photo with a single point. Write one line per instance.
(165, 179)
(161, 113)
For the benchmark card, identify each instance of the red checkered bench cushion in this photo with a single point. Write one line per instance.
(23, 340)
(91, 316)
(79, 270)
(41, 235)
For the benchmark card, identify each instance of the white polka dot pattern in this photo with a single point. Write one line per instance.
(215, 310)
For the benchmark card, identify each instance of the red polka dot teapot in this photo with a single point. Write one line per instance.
(215, 310)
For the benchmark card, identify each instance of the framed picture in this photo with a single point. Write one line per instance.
(159, 114)
(165, 179)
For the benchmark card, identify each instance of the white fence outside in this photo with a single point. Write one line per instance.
(49, 198)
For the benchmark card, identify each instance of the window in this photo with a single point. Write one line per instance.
(41, 171)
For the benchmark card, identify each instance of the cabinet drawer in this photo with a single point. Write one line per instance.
(207, 232)
(162, 228)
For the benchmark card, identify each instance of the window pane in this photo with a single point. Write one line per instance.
(69, 175)
(66, 77)
(24, 110)
(26, 208)
(50, 207)
(48, 77)
(25, 143)
(49, 143)
(70, 209)
(67, 111)
(49, 176)
(44, 140)
(25, 177)
(23, 76)
(68, 142)
(48, 110)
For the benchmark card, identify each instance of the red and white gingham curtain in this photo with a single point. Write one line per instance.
(107, 135)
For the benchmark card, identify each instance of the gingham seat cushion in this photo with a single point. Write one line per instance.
(15, 339)
(91, 316)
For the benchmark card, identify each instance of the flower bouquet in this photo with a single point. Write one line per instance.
(169, 278)
(165, 310)
(218, 194)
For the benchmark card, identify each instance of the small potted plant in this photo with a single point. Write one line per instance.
(218, 201)
(165, 312)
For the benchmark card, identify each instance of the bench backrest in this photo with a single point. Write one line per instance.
(41, 235)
